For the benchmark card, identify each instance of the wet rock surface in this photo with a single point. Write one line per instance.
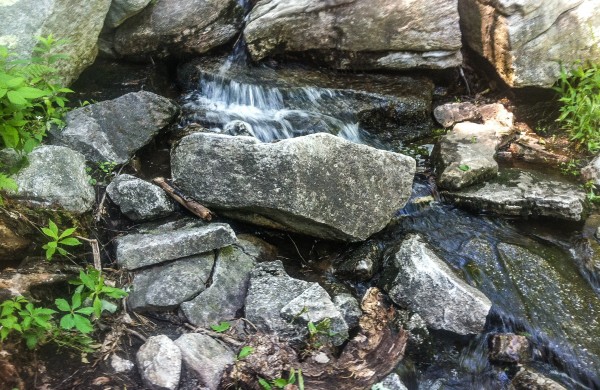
(416, 278)
(521, 193)
(149, 248)
(528, 379)
(509, 348)
(55, 178)
(114, 130)
(354, 35)
(362, 263)
(306, 184)
(159, 363)
(176, 27)
(138, 199)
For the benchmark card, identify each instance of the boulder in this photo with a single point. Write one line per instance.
(55, 177)
(450, 114)
(149, 248)
(465, 155)
(416, 278)
(224, 298)
(349, 307)
(319, 185)
(527, 41)
(206, 357)
(76, 21)
(179, 27)
(277, 303)
(159, 363)
(527, 379)
(114, 130)
(121, 10)
(164, 287)
(521, 193)
(138, 199)
(509, 348)
(347, 34)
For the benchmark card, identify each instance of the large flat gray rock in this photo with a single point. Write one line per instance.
(179, 27)
(521, 193)
(144, 249)
(416, 278)
(319, 185)
(113, 130)
(55, 177)
(348, 34)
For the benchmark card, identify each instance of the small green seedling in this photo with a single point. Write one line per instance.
(464, 167)
(245, 352)
(77, 316)
(222, 327)
(91, 286)
(58, 240)
(280, 383)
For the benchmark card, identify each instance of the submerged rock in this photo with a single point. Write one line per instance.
(144, 249)
(206, 357)
(138, 199)
(224, 298)
(77, 22)
(523, 193)
(417, 279)
(164, 287)
(357, 35)
(509, 348)
(465, 155)
(114, 130)
(527, 379)
(277, 303)
(179, 27)
(318, 185)
(55, 177)
(159, 363)
(528, 41)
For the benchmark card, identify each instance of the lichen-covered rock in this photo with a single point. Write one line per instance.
(227, 292)
(274, 299)
(121, 10)
(164, 287)
(113, 130)
(528, 41)
(509, 348)
(159, 363)
(79, 22)
(417, 279)
(465, 155)
(144, 249)
(517, 192)
(347, 34)
(527, 379)
(55, 177)
(319, 185)
(138, 199)
(179, 27)
(206, 357)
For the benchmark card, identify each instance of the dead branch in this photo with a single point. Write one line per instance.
(95, 251)
(187, 202)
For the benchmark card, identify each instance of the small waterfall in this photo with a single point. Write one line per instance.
(269, 112)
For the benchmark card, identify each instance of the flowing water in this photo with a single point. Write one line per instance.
(532, 274)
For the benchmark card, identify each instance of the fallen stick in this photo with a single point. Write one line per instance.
(187, 202)
(95, 251)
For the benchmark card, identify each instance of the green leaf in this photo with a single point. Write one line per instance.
(67, 233)
(31, 340)
(62, 304)
(70, 241)
(245, 352)
(50, 252)
(10, 136)
(82, 324)
(16, 98)
(6, 183)
(53, 228)
(31, 93)
(280, 383)
(85, 310)
(76, 301)
(464, 167)
(97, 305)
(222, 327)
(87, 281)
(109, 306)
(67, 322)
(265, 385)
(14, 82)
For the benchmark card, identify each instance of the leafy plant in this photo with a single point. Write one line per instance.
(92, 286)
(101, 173)
(222, 327)
(280, 383)
(20, 315)
(58, 240)
(590, 188)
(77, 316)
(579, 93)
(570, 168)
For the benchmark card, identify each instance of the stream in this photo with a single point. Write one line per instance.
(530, 270)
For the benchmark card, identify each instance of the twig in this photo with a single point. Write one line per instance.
(136, 334)
(187, 202)
(95, 251)
(224, 337)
